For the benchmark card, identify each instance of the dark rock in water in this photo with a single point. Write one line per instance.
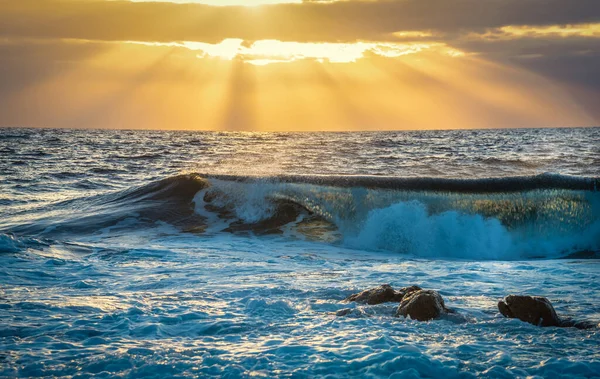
(356, 313)
(343, 312)
(579, 324)
(538, 311)
(422, 305)
(419, 304)
(411, 289)
(382, 294)
(532, 309)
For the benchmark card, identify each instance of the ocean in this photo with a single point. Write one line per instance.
(224, 254)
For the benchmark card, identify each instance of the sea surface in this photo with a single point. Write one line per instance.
(205, 254)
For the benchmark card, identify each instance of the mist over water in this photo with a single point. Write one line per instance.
(149, 253)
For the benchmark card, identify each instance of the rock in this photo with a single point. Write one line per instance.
(532, 309)
(585, 324)
(382, 294)
(538, 311)
(422, 305)
(411, 289)
(343, 312)
(360, 312)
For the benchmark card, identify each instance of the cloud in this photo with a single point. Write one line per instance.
(545, 31)
(345, 21)
(339, 65)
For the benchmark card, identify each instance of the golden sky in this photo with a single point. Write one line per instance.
(299, 65)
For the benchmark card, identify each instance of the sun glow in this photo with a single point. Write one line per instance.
(265, 52)
(153, 85)
(228, 3)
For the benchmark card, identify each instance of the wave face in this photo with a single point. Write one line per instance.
(511, 218)
(545, 216)
(168, 200)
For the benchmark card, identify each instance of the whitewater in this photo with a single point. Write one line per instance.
(212, 254)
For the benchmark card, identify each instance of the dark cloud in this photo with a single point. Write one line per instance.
(529, 47)
(338, 21)
(23, 64)
(578, 74)
(573, 63)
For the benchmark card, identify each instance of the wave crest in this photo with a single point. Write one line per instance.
(497, 218)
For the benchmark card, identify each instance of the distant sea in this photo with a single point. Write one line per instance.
(220, 254)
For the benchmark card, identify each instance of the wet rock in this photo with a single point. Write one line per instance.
(357, 312)
(422, 305)
(382, 294)
(343, 312)
(532, 309)
(411, 289)
(569, 323)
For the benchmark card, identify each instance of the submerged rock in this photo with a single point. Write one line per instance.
(382, 294)
(422, 305)
(532, 309)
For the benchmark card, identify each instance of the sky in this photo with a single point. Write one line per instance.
(293, 65)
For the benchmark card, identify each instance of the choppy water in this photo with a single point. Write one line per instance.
(155, 254)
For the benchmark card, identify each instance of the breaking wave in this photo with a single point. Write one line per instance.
(544, 216)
